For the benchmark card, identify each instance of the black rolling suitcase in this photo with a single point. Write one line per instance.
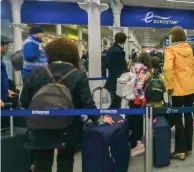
(14, 157)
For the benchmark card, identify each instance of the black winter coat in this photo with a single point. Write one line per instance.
(77, 82)
(117, 65)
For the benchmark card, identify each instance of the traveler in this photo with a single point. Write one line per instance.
(141, 69)
(85, 58)
(6, 93)
(33, 51)
(179, 73)
(103, 63)
(134, 56)
(154, 53)
(155, 86)
(116, 65)
(63, 57)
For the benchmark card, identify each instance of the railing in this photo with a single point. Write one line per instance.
(148, 111)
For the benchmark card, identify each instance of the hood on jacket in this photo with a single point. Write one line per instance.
(183, 49)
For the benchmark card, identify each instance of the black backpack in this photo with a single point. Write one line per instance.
(154, 91)
(17, 60)
(53, 96)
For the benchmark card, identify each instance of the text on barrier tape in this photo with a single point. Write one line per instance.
(72, 112)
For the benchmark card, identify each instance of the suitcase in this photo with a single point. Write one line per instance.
(161, 142)
(15, 158)
(106, 147)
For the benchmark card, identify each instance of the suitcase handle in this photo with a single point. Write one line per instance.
(9, 105)
(101, 96)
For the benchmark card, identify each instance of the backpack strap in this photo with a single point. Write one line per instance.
(66, 75)
(62, 79)
(50, 74)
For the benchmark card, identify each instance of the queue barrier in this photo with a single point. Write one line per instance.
(98, 79)
(149, 111)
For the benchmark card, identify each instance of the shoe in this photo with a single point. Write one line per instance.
(188, 153)
(138, 150)
(180, 156)
(140, 144)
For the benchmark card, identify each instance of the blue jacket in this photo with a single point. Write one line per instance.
(34, 55)
(4, 82)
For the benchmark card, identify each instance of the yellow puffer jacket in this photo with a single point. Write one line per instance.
(179, 69)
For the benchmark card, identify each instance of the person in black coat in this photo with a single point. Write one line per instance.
(62, 58)
(103, 63)
(117, 65)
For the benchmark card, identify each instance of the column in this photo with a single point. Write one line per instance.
(80, 36)
(58, 30)
(17, 33)
(117, 7)
(94, 9)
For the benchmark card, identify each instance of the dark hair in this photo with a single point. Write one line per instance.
(144, 58)
(120, 38)
(155, 62)
(62, 49)
(178, 34)
(4, 43)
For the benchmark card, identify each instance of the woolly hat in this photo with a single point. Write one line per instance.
(36, 29)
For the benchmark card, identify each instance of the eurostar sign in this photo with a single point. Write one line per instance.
(150, 17)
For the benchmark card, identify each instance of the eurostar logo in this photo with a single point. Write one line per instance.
(169, 110)
(150, 17)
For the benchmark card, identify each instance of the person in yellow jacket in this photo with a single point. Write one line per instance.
(179, 73)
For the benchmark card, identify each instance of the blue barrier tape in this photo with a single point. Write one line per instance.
(90, 112)
(72, 112)
(97, 79)
(173, 110)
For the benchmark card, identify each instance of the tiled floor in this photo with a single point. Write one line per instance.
(137, 164)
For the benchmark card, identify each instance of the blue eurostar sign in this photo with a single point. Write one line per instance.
(156, 17)
(39, 12)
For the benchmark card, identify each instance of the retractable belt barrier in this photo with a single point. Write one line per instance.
(148, 111)
(90, 112)
(97, 79)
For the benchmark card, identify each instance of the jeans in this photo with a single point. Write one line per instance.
(115, 100)
(183, 132)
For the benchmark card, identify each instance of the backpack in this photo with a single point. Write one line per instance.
(17, 60)
(126, 85)
(154, 90)
(53, 96)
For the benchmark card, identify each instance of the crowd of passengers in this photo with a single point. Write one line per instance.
(61, 56)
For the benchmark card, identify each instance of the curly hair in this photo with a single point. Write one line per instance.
(62, 49)
(144, 58)
(178, 34)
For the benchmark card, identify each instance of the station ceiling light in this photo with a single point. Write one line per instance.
(182, 1)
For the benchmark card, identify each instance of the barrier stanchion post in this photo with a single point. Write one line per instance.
(148, 161)
(150, 131)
